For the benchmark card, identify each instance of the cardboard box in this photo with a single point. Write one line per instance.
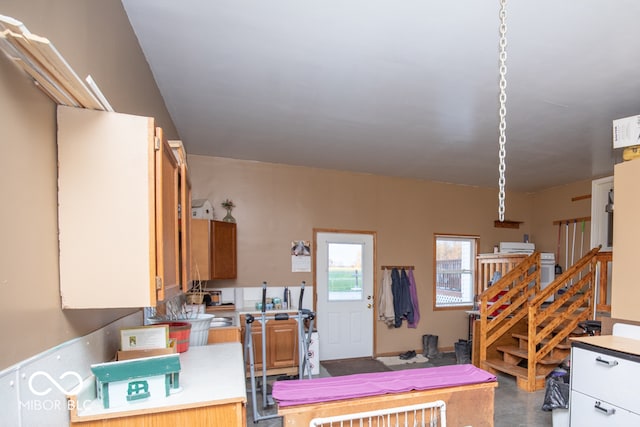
(137, 354)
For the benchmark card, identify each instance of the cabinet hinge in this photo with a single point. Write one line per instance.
(156, 143)
(158, 283)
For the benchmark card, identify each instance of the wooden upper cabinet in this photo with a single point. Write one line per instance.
(167, 235)
(214, 252)
(117, 210)
(185, 229)
(224, 253)
(184, 217)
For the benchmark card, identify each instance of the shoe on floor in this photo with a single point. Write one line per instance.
(408, 355)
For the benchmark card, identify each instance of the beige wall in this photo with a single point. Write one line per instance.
(95, 38)
(556, 204)
(277, 204)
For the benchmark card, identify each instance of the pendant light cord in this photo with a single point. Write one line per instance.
(502, 152)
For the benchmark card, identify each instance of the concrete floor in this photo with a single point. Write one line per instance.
(512, 407)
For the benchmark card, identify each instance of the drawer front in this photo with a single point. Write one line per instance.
(607, 377)
(587, 411)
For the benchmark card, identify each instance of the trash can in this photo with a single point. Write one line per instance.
(556, 397)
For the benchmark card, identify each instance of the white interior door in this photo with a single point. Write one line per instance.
(344, 280)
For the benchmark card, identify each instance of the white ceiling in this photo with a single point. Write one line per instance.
(398, 87)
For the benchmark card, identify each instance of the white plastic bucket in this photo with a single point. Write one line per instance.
(200, 324)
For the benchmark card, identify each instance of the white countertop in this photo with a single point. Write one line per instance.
(623, 344)
(209, 375)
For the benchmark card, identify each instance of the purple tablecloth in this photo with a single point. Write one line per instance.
(300, 392)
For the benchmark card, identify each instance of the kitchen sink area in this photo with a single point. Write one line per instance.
(221, 321)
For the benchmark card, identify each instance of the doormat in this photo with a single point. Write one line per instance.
(395, 360)
(442, 359)
(337, 368)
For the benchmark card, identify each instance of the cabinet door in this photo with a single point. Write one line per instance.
(200, 249)
(185, 228)
(588, 411)
(222, 335)
(223, 250)
(184, 215)
(106, 209)
(256, 342)
(167, 241)
(593, 369)
(282, 339)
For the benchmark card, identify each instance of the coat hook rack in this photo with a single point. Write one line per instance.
(399, 267)
(572, 220)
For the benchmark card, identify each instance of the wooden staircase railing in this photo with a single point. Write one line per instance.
(512, 291)
(514, 310)
(551, 324)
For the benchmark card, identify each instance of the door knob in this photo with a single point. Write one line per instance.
(368, 305)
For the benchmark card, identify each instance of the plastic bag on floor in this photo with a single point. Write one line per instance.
(556, 394)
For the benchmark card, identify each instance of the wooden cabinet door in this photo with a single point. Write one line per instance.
(223, 250)
(200, 249)
(167, 240)
(256, 343)
(117, 210)
(184, 215)
(282, 343)
(213, 245)
(106, 209)
(222, 335)
(184, 227)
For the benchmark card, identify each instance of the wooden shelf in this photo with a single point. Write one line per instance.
(507, 224)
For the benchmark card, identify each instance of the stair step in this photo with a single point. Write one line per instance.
(514, 370)
(564, 345)
(522, 353)
(577, 331)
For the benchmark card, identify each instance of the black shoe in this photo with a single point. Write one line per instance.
(408, 355)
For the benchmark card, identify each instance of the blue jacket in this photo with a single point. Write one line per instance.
(401, 297)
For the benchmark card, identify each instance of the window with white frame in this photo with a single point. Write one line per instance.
(454, 270)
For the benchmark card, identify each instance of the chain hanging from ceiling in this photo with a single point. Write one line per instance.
(502, 152)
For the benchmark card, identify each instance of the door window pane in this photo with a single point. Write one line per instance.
(345, 271)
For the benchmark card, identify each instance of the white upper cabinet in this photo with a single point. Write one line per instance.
(117, 211)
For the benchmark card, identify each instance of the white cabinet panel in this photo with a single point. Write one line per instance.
(606, 374)
(587, 411)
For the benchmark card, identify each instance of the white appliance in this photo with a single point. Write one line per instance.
(547, 271)
(516, 248)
